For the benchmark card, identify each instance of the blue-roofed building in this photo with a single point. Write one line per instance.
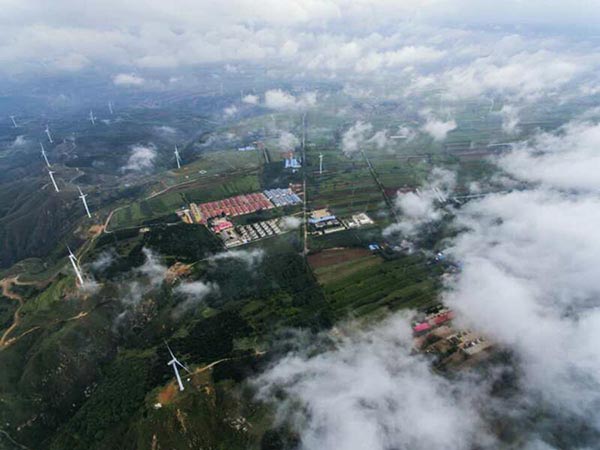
(282, 197)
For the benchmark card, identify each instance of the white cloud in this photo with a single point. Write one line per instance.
(287, 141)
(128, 79)
(568, 160)
(252, 258)
(355, 137)
(165, 130)
(20, 141)
(438, 129)
(380, 139)
(251, 99)
(529, 280)
(510, 119)
(141, 158)
(153, 268)
(289, 49)
(194, 292)
(279, 99)
(340, 37)
(405, 56)
(420, 208)
(230, 111)
(370, 393)
(526, 74)
(72, 62)
(103, 261)
(290, 223)
(150, 275)
(405, 133)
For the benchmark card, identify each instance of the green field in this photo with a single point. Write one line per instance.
(369, 284)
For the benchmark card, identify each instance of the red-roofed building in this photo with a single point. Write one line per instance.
(442, 318)
(222, 225)
(420, 327)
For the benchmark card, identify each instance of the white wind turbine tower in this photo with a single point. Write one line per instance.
(177, 158)
(82, 196)
(75, 264)
(13, 121)
(110, 108)
(51, 173)
(320, 163)
(174, 362)
(92, 118)
(48, 134)
(44, 154)
(439, 195)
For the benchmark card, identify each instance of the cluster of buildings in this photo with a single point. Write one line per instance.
(434, 334)
(323, 221)
(358, 220)
(282, 197)
(216, 215)
(233, 236)
(234, 206)
(435, 317)
(291, 161)
(239, 205)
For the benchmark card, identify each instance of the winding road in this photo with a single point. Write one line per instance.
(6, 284)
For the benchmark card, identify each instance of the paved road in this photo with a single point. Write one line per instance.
(305, 251)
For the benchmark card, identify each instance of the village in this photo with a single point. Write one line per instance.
(452, 348)
(218, 216)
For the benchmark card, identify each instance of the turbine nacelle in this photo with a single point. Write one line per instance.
(174, 362)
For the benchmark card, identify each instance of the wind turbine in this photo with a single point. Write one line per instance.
(110, 108)
(82, 196)
(440, 195)
(320, 163)
(75, 264)
(51, 173)
(48, 134)
(44, 154)
(13, 121)
(92, 118)
(175, 362)
(177, 158)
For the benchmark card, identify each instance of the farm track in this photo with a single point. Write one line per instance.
(380, 185)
